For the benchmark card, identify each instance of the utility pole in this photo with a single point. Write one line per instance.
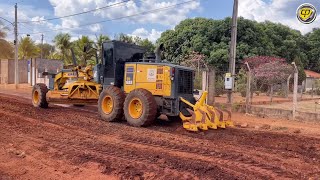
(16, 70)
(295, 90)
(233, 47)
(41, 45)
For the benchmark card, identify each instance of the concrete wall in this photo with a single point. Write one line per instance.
(23, 73)
(286, 114)
(11, 71)
(37, 67)
(308, 83)
(44, 65)
(4, 71)
(49, 65)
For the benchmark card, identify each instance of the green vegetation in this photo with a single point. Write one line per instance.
(211, 38)
(192, 38)
(6, 48)
(27, 48)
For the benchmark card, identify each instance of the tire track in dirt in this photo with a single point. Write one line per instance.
(69, 143)
(89, 123)
(74, 145)
(231, 160)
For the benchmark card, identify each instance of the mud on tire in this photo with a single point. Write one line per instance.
(110, 104)
(148, 108)
(39, 92)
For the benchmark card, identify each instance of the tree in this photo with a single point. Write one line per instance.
(6, 48)
(313, 46)
(212, 37)
(27, 48)
(63, 43)
(148, 45)
(272, 73)
(82, 56)
(256, 61)
(98, 43)
(125, 38)
(55, 55)
(47, 49)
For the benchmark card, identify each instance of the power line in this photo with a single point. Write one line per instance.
(25, 27)
(118, 18)
(76, 14)
(7, 20)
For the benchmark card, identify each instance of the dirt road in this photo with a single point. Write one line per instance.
(67, 143)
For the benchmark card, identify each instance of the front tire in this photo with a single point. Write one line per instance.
(140, 108)
(110, 104)
(39, 93)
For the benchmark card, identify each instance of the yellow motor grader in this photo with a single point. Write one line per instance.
(69, 86)
(129, 84)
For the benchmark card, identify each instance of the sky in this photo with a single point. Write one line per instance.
(143, 18)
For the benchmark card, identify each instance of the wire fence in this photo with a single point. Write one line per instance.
(275, 100)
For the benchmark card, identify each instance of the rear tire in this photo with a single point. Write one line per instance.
(140, 108)
(110, 104)
(39, 92)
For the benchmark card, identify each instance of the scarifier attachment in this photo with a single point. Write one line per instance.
(203, 116)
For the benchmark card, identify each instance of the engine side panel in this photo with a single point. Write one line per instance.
(154, 78)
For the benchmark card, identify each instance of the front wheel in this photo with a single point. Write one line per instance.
(39, 93)
(110, 104)
(140, 108)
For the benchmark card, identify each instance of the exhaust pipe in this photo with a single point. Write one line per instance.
(157, 51)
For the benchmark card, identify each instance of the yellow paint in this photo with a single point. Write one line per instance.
(203, 117)
(70, 86)
(36, 97)
(107, 104)
(154, 78)
(135, 108)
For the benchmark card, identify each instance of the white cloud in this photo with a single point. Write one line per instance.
(153, 35)
(95, 28)
(167, 17)
(280, 11)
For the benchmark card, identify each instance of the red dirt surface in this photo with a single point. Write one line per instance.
(73, 143)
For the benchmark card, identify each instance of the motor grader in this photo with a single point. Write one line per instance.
(69, 86)
(127, 84)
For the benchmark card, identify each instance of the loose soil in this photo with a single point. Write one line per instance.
(73, 143)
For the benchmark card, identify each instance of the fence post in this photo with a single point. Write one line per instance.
(295, 90)
(211, 86)
(248, 87)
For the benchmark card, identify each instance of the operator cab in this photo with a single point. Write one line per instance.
(114, 56)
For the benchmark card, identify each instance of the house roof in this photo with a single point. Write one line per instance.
(312, 74)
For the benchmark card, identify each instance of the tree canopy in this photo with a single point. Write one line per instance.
(211, 38)
(6, 48)
(27, 48)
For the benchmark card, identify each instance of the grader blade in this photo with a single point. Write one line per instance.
(227, 121)
(189, 123)
(215, 118)
(203, 116)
